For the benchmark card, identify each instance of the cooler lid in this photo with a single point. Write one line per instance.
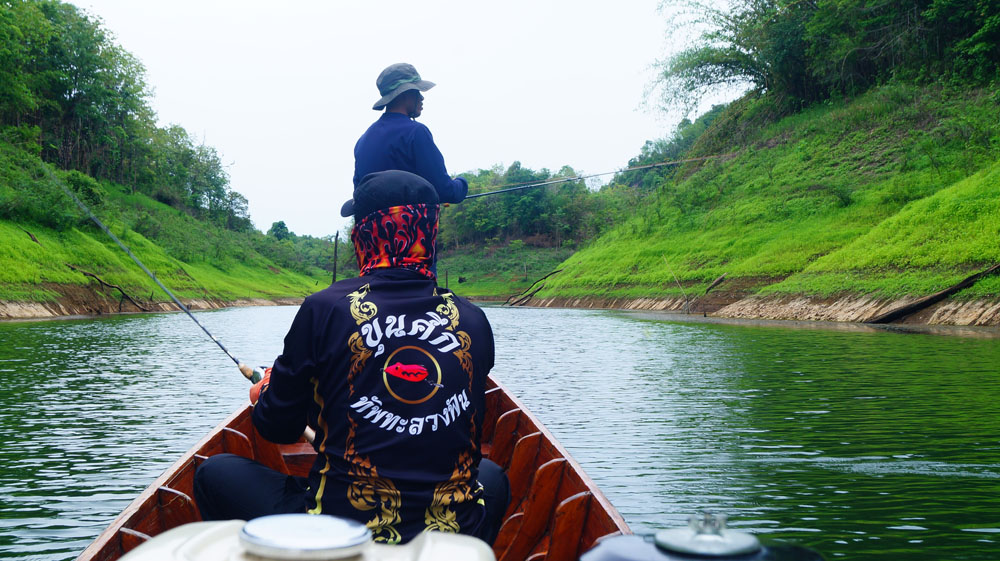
(304, 536)
(707, 536)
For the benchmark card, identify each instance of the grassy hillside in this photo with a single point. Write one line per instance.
(892, 193)
(39, 271)
(193, 258)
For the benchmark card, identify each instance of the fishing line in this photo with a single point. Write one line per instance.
(687, 306)
(532, 184)
(252, 374)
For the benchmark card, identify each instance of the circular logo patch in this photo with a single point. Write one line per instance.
(411, 375)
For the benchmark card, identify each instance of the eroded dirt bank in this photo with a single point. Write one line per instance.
(845, 309)
(88, 301)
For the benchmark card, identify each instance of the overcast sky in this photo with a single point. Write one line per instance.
(283, 90)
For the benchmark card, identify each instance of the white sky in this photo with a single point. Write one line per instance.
(283, 90)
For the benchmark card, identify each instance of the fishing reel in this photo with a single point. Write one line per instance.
(706, 538)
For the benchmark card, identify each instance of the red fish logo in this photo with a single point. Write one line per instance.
(408, 372)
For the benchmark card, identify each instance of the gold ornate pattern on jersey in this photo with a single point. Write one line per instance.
(368, 491)
(449, 310)
(318, 509)
(359, 355)
(440, 516)
(464, 357)
(362, 311)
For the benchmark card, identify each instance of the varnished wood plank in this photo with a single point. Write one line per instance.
(537, 510)
(567, 528)
(508, 531)
(298, 458)
(504, 438)
(131, 539)
(183, 479)
(266, 452)
(493, 399)
(176, 508)
(235, 442)
(522, 469)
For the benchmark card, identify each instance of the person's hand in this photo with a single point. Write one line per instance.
(260, 387)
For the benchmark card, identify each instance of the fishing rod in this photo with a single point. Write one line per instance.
(252, 374)
(531, 184)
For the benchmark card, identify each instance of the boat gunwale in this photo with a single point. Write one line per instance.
(116, 525)
(599, 496)
(125, 519)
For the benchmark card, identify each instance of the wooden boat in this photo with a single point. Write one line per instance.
(556, 511)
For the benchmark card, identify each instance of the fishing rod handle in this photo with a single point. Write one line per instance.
(253, 374)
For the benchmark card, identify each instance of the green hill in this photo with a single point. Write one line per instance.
(47, 261)
(895, 193)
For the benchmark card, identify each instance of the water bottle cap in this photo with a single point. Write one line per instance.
(707, 536)
(304, 536)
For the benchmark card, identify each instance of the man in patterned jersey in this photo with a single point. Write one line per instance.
(390, 371)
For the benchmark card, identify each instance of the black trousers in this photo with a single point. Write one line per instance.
(229, 487)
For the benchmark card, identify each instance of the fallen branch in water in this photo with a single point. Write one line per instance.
(109, 285)
(525, 291)
(903, 311)
(716, 282)
(524, 300)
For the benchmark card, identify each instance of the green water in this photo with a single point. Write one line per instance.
(863, 444)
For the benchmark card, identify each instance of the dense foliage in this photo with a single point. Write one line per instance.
(70, 95)
(807, 51)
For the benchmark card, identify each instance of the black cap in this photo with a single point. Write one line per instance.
(385, 189)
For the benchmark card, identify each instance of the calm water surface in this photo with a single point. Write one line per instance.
(861, 444)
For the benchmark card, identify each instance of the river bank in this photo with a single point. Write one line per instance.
(88, 301)
(848, 308)
(75, 300)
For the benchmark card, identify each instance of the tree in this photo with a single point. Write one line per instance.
(279, 231)
(750, 44)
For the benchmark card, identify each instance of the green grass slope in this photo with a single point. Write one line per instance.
(40, 271)
(890, 194)
(194, 259)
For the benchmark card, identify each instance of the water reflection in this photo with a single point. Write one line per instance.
(861, 443)
(91, 411)
(837, 439)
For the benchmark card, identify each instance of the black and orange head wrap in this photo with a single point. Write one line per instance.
(399, 236)
(395, 222)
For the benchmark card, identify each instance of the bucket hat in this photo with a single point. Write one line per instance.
(385, 189)
(396, 79)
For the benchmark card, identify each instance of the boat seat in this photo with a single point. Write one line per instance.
(519, 536)
(567, 527)
(493, 401)
(235, 442)
(131, 539)
(176, 508)
(522, 469)
(505, 437)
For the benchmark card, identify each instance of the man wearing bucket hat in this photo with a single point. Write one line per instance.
(390, 370)
(396, 141)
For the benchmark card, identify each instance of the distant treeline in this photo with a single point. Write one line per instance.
(70, 95)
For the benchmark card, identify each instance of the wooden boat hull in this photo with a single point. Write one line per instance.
(556, 511)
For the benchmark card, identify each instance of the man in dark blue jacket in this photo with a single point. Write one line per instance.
(390, 371)
(396, 141)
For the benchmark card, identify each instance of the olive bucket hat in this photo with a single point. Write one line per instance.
(397, 79)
